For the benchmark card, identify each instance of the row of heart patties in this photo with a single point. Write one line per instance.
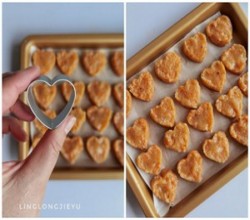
(98, 92)
(93, 61)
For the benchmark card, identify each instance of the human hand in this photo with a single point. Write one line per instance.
(24, 182)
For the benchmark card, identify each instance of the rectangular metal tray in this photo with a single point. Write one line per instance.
(146, 56)
(69, 41)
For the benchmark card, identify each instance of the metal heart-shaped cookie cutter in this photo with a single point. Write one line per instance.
(46, 121)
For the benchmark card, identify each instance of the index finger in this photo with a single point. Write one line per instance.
(16, 83)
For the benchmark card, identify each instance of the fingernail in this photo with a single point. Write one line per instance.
(69, 125)
(35, 68)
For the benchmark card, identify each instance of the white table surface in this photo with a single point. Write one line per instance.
(96, 198)
(144, 23)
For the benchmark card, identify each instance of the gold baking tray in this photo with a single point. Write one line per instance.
(146, 56)
(69, 41)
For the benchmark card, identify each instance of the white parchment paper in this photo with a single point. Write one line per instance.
(190, 70)
(86, 130)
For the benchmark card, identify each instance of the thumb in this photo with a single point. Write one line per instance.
(42, 160)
